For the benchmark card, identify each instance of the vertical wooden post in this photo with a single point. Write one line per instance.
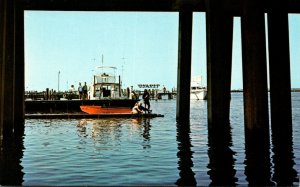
(219, 26)
(254, 66)
(2, 51)
(8, 70)
(184, 64)
(19, 68)
(280, 93)
(257, 142)
(279, 65)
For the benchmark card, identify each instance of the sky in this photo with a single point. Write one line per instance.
(63, 48)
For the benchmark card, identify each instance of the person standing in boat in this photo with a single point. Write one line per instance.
(84, 90)
(146, 98)
(80, 91)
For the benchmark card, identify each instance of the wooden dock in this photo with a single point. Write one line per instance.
(84, 115)
(72, 106)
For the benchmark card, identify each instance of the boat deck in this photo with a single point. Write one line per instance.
(84, 115)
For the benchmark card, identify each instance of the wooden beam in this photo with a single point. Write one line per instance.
(232, 6)
(113, 5)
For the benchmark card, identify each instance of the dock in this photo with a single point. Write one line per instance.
(72, 106)
(87, 116)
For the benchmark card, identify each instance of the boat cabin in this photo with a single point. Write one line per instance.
(105, 84)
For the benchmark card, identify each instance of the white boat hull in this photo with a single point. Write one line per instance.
(198, 95)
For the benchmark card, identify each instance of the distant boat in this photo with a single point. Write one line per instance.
(93, 109)
(197, 92)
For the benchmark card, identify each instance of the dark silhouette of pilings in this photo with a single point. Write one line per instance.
(184, 64)
(221, 157)
(12, 68)
(219, 22)
(256, 117)
(7, 67)
(19, 94)
(185, 154)
(279, 68)
(280, 94)
(219, 29)
(254, 66)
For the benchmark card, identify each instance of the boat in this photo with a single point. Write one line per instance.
(106, 86)
(93, 109)
(197, 92)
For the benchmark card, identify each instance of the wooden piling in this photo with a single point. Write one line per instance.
(257, 141)
(279, 69)
(184, 64)
(219, 32)
(2, 49)
(254, 66)
(280, 93)
(8, 69)
(19, 105)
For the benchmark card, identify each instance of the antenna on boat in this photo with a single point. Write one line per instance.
(123, 69)
(102, 62)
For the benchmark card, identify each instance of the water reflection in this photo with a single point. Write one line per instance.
(111, 131)
(221, 160)
(257, 162)
(11, 152)
(146, 132)
(284, 174)
(185, 155)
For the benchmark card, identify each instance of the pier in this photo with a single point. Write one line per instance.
(219, 27)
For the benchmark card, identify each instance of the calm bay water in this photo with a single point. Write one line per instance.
(144, 151)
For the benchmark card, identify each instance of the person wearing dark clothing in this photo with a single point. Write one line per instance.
(80, 91)
(146, 98)
(84, 89)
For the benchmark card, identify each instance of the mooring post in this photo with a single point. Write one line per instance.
(280, 93)
(219, 32)
(184, 64)
(257, 142)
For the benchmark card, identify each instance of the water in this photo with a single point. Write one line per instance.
(147, 151)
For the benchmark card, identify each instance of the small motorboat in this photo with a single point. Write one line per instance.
(93, 109)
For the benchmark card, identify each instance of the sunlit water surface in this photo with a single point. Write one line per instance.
(135, 151)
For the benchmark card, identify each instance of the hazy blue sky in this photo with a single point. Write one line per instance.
(143, 46)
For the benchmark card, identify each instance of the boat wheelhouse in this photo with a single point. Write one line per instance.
(198, 92)
(106, 85)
